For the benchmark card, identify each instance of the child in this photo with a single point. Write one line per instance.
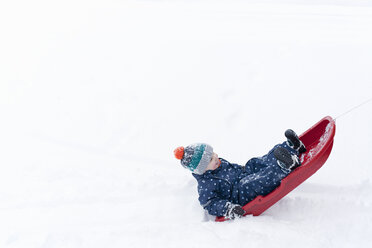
(224, 187)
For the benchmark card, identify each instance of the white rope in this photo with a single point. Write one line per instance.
(353, 108)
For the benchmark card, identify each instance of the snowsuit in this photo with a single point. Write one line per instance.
(235, 184)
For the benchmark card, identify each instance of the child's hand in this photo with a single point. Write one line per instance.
(235, 211)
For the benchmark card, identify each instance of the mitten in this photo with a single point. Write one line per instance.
(235, 211)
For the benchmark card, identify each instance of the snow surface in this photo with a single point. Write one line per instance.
(95, 95)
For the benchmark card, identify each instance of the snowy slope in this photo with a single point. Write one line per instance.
(95, 95)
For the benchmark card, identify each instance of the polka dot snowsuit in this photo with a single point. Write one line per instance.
(232, 183)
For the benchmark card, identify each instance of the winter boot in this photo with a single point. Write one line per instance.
(294, 141)
(285, 160)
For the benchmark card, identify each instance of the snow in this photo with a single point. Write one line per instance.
(95, 95)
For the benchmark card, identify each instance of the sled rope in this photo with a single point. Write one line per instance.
(352, 109)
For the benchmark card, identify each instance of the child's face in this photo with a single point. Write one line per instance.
(215, 162)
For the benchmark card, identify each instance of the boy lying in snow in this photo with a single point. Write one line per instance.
(224, 187)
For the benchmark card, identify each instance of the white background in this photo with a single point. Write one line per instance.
(95, 95)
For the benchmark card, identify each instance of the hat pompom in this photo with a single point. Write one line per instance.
(178, 152)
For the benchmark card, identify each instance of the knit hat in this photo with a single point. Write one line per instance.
(195, 157)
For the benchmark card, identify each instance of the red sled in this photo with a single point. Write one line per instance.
(318, 141)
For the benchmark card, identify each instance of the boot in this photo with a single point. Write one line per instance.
(294, 141)
(285, 159)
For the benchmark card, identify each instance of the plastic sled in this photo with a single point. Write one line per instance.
(318, 141)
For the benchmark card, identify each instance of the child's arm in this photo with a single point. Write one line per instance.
(210, 201)
(215, 206)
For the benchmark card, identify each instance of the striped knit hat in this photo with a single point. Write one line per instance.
(195, 157)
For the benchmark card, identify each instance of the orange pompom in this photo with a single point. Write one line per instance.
(178, 152)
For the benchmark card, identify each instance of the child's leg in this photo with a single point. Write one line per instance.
(260, 183)
(254, 165)
(262, 175)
